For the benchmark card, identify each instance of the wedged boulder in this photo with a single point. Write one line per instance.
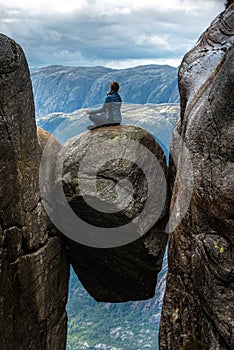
(33, 269)
(198, 304)
(115, 181)
(49, 147)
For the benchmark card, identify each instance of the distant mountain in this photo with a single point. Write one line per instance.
(65, 89)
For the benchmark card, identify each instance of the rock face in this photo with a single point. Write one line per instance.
(34, 271)
(111, 271)
(66, 89)
(198, 304)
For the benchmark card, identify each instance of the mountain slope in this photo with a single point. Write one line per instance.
(65, 89)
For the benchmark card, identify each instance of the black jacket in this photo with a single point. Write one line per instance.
(111, 107)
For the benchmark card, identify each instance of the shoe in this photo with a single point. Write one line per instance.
(91, 127)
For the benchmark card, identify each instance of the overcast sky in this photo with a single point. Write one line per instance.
(118, 34)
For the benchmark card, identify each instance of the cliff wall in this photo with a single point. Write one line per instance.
(198, 304)
(33, 267)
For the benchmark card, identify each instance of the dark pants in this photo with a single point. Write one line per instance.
(99, 120)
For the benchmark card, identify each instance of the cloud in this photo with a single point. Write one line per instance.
(98, 32)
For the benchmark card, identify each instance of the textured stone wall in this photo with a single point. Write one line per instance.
(198, 305)
(34, 271)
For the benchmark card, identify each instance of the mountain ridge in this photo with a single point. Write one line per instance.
(65, 89)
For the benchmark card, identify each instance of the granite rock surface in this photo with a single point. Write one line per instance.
(34, 270)
(199, 299)
(125, 267)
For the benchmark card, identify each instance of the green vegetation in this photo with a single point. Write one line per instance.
(92, 325)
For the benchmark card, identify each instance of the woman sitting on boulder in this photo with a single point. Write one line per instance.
(109, 114)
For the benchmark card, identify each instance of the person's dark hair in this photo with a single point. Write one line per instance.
(114, 86)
